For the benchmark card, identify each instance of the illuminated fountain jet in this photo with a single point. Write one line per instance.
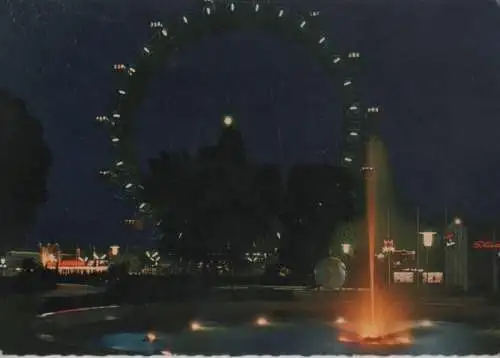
(377, 319)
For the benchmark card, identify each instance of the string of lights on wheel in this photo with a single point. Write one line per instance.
(213, 18)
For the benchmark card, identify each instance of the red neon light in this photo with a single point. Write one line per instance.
(67, 263)
(487, 245)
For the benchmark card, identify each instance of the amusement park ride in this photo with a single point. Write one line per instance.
(376, 325)
(52, 258)
(215, 17)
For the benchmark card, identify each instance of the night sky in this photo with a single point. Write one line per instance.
(432, 65)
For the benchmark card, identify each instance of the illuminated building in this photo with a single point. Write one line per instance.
(403, 260)
(404, 266)
(456, 258)
(52, 258)
(77, 266)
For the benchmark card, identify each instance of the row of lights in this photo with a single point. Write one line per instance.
(260, 321)
(354, 133)
(355, 107)
(143, 207)
(120, 67)
(155, 24)
(232, 7)
(373, 110)
(148, 51)
(196, 326)
(106, 119)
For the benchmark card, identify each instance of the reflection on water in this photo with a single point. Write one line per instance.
(135, 343)
(304, 339)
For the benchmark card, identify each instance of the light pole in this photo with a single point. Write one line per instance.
(387, 250)
(418, 247)
(428, 240)
(495, 268)
(346, 248)
(347, 252)
(3, 265)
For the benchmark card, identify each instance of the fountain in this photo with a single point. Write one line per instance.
(380, 320)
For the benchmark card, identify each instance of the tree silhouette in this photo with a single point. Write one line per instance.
(318, 199)
(211, 205)
(25, 160)
(122, 264)
(29, 265)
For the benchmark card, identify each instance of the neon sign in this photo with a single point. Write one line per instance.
(486, 245)
(450, 239)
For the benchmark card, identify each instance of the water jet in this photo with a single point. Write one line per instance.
(378, 322)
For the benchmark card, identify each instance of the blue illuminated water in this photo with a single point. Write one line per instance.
(310, 338)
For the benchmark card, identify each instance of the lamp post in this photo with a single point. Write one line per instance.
(495, 268)
(114, 250)
(428, 240)
(347, 252)
(346, 248)
(3, 265)
(387, 251)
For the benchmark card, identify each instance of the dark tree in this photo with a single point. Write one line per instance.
(168, 187)
(230, 147)
(216, 203)
(25, 160)
(318, 198)
(29, 265)
(266, 205)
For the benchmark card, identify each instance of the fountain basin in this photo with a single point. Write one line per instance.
(254, 328)
(300, 337)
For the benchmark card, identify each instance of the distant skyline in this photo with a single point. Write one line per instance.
(432, 66)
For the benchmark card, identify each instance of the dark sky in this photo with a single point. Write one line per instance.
(433, 65)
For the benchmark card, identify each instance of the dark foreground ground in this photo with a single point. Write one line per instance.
(180, 300)
(175, 309)
(72, 332)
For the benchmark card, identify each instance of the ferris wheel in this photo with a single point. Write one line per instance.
(216, 17)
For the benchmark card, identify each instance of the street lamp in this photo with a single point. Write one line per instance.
(428, 239)
(228, 121)
(114, 250)
(346, 248)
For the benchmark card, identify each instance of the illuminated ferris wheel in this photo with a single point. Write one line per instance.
(216, 18)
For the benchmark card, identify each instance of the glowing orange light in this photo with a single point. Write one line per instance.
(262, 321)
(340, 320)
(195, 326)
(150, 337)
